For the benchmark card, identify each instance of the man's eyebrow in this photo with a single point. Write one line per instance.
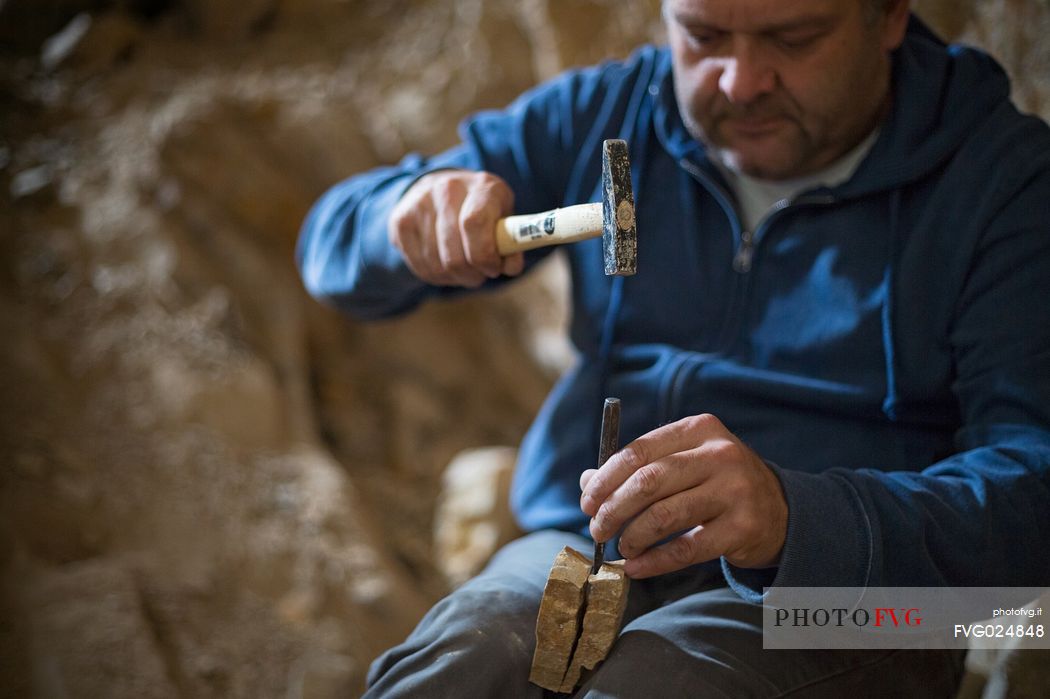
(696, 26)
(817, 22)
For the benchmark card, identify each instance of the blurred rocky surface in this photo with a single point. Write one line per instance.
(472, 519)
(211, 485)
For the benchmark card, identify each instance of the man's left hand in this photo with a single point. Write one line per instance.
(692, 476)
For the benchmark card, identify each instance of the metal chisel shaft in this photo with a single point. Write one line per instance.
(606, 448)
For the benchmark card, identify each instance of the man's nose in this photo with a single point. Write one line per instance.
(745, 78)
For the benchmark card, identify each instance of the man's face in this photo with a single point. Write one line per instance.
(780, 89)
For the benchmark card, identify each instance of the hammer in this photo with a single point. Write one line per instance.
(612, 218)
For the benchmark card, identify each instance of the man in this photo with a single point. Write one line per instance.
(834, 360)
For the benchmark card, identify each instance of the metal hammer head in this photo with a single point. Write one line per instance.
(619, 235)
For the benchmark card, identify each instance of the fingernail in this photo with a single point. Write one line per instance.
(587, 504)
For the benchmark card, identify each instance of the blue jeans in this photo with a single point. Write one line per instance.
(684, 635)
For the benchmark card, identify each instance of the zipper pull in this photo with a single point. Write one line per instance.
(742, 260)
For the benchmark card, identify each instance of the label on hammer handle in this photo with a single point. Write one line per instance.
(564, 225)
(535, 227)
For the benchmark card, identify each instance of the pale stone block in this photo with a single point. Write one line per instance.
(579, 619)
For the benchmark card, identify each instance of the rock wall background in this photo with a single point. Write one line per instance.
(209, 484)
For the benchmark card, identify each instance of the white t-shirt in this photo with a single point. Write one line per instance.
(755, 197)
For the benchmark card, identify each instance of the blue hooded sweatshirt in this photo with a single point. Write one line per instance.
(884, 343)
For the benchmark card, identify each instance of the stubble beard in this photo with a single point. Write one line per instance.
(786, 161)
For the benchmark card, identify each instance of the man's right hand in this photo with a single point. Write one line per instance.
(444, 226)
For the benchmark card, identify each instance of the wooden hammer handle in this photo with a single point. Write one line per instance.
(566, 225)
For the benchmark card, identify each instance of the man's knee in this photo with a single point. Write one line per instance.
(483, 633)
(479, 637)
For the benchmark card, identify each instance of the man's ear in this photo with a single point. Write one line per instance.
(897, 14)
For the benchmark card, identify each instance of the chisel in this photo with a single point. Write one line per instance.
(606, 448)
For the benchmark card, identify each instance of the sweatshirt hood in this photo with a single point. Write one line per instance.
(929, 81)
